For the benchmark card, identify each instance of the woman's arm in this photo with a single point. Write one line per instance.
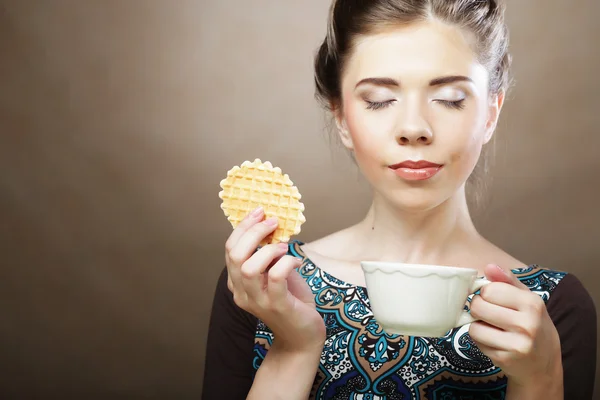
(229, 374)
(547, 351)
(264, 283)
(543, 387)
(228, 369)
(573, 313)
(286, 375)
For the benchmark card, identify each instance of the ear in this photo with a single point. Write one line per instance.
(496, 102)
(342, 128)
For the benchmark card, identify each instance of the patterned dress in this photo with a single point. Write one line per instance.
(360, 361)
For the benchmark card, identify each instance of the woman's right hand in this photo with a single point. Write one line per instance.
(266, 284)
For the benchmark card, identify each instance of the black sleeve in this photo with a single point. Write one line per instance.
(573, 312)
(228, 371)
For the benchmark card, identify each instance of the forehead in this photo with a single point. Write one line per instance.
(418, 51)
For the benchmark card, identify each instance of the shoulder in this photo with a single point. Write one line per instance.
(540, 280)
(569, 304)
(569, 296)
(557, 288)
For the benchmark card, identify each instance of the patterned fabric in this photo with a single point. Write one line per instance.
(360, 361)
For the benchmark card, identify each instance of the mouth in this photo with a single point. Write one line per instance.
(416, 170)
(416, 164)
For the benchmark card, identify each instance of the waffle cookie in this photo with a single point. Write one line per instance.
(255, 184)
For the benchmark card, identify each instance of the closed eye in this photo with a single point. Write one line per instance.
(378, 105)
(455, 105)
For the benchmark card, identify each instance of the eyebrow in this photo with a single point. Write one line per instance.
(378, 82)
(444, 80)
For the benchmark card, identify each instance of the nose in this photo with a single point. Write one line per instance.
(414, 137)
(413, 128)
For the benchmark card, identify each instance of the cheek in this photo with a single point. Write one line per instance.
(466, 141)
(356, 126)
(368, 141)
(465, 159)
(369, 130)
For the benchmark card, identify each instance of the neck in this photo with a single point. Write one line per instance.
(426, 237)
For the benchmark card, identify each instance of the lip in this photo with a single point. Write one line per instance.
(416, 170)
(415, 164)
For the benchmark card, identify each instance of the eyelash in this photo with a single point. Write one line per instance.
(456, 105)
(376, 105)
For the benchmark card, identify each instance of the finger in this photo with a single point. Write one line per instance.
(496, 315)
(493, 353)
(252, 272)
(277, 278)
(232, 262)
(490, 336)
(504, 295)
(249, 221)
(501, 358)
(247, 244)
(496, 273)
(297, 286)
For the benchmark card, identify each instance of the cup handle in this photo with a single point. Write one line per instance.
(465, 316)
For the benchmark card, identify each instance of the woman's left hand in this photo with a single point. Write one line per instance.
(516, 332)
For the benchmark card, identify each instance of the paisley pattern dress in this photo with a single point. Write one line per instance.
(361, 361)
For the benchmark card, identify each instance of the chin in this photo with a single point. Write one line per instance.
(415, 200)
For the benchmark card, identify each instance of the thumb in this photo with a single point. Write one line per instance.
(496, 273)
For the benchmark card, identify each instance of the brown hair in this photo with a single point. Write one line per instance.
(351, 18)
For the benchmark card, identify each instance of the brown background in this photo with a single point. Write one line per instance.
(119, 118)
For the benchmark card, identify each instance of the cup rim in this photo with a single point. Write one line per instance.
(412, 269)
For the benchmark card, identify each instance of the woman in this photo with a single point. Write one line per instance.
(416, 89)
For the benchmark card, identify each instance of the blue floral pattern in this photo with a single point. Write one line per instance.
(361, 361)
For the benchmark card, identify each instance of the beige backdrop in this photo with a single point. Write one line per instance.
(119, 118)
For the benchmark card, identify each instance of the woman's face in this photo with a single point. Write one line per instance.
(416, 93)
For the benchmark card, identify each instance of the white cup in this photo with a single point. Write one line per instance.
(418, 299)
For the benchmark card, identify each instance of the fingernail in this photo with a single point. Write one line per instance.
(500, 268)
(271, 221)
(256, 212)
(282, 246)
